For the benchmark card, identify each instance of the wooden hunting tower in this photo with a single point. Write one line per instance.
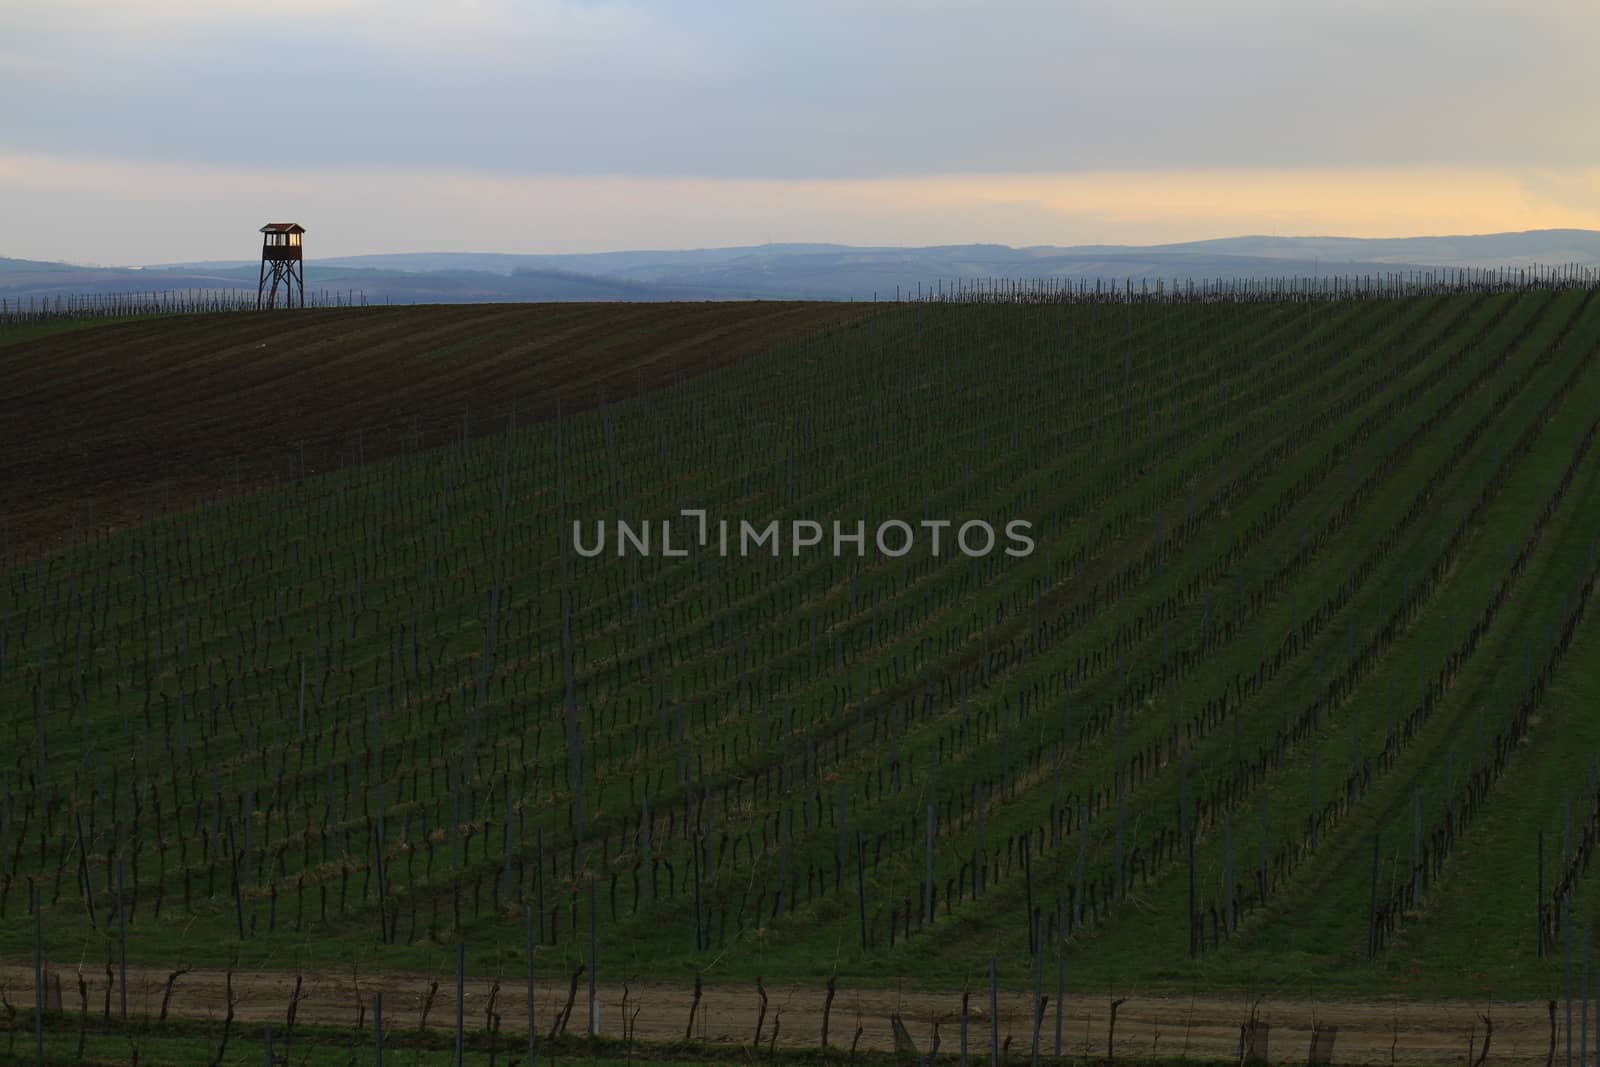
(280, 261)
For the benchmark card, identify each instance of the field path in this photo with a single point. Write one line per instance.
(1375, 1031)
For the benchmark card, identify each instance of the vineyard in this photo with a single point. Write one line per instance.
(1294, 692)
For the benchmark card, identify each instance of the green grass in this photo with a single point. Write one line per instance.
(196, 1044)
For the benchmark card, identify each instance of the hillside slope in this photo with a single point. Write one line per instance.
(138, 417)
(1298, 672)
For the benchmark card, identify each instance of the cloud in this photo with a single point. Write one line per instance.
(186, 35)
(212, 212)
(565, 125)
(821, 89)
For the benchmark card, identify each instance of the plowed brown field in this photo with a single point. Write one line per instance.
(142, 416)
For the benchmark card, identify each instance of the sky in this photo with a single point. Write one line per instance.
(157, 131)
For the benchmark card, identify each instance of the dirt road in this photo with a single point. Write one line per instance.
(1361, 1031)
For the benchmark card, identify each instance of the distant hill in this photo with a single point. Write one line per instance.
(1486, 250)
(814, 271)
(24, 280)
(33, 266)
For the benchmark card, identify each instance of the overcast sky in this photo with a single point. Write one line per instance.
(135, 131)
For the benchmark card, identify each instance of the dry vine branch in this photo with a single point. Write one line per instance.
(83, 1012)
(1488, 1032)
(422, 1023)
(227, 1021)
(1111, 1031)
(761, 1019)
(560, 1025)
(166, 995)
(827, 1005)
(688, 1033)
(294, 1007)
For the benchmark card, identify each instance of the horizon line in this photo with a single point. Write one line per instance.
(1098, 246)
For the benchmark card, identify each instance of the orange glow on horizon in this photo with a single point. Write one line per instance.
(381, 210)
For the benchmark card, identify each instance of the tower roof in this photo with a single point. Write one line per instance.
(283, 227)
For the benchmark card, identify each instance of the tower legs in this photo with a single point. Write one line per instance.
(289, 272)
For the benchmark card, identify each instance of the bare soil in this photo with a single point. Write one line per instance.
(1377, 1031)
(104, 425)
